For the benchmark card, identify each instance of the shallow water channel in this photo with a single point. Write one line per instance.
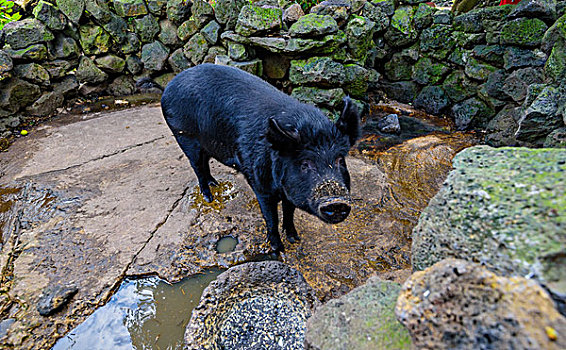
(145, 313)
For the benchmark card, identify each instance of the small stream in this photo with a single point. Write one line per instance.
(145, 313)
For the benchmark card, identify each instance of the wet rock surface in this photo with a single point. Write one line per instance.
(254, 305)
(461, 305)
(88, 200)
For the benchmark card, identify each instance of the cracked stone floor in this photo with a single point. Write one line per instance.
(87, 200)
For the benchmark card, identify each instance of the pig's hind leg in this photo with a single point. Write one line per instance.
(288, 223)
(199, 162)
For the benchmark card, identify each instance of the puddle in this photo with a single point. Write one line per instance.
(145, 313)
(226, 244)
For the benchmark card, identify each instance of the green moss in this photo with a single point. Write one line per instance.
(523, 32)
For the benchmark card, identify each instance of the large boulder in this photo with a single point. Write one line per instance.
(317, 70)
(526, 32)
(23, 33)
(253, 305)
(541, 116)
(456, 304)
(501, 207)
(363, 319)
(255, 19)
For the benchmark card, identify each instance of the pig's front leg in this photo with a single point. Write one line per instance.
(288, 223)
(268, 205)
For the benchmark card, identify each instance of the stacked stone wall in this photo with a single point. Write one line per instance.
(493, 68)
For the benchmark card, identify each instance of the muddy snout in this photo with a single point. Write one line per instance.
(333, 201)
(334, 210)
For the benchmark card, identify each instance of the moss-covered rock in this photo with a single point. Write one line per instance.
(168, 33)
(157, 7)
(492, 54)
(130, 8)
(6, 65)
(23, 33)
(178, 11)
(541, 116)
(211, 32)
(458, 87)
(356, 84)
(518, 81)
(339, 10)
(317, 70)
(187, 29)
(196, 48)
(94, 39)
(178, 61)
(132, 44)
(50, 15)
(18, 93)
(88, 72)
(359, 32)
(147, 28)
(437, 37)
(237, 51)
(212, 53)
(227, 11)
(111, 63)
(32, 52)
(73, 9)
(117, 27)
(488, 212)
(432, 99)
(402, 30)
(134, 64)
(525, 32)
(254, 19)
(329, 98)
(47, 104)
(471, 113)
(64, 47)
(313, 25)
(423, 16)
(377, 16)
(154, 56)
(556, 139)
(457, 304)
(33, 72)
(478, 71)
(398, 68)
(325, 45)
(555, 66)
(429, 72)
(515, 57)
(362, 319)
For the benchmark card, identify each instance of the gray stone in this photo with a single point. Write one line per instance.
(154, 56)
(389, 124)
(237, 52)
(6, 64)
(73, 9)
(471, 113)
(123, 85)
(210, 32)
(402, 91)
(212, 53)
(25, 32)
(363, 319)
(501, 129)
(317, 70)
(423, 16)
(227, 11)
(387, 6)
(50, 15)
(518, 81)
(429, 72)
(402, 31)
(325, 45)
(178, 11)
(443, 17)
(168, 33)
(157, 7)
(492, 54)
(177, 61)
(515, 57)
(254, 67)
(556, 139)
(457, 304)
(432, 99)
(399, 68)
(477, 70)
(293, 13)
(377, 16)
(130, 8)
(187, 29)
(313, 25)
(486, 212)
(540, 117)
(196, 48)
(201, 8)
(134, 64)
(147, 28)
(254, 19)
(111, 63)
(543, 9)
(64, 47)
(338, 9)
(5, 325)
(47, 104)
(437, 37)
(458, 87)
(68, 86)
(329, 98)
(270, 295)
(9, 122)
(88, 72)
(100, 10)
(54, 299)
(33, 72)
(18, 93)
(117, 27)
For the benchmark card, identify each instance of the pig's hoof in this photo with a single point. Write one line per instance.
(207, 196)
(212, 182)
(293, 238)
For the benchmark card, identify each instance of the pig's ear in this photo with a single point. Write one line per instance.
(283, 138)
(349, 122)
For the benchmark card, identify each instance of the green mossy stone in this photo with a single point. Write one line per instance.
(26, 32)
(196, 48)
(487, 212)
(168, 33)
(211, 32)
(94, 39)
(33, 72)
(329, 98)
(429, 72)
(458, 87)
(147, 27)
(157, 7)
(477, 70)
(178, 62)
(313, 25)
(525, 32)
(555, 66)
(325, 45)
(111, 63)
(317, 70)
(359, 32)
(187, 29)
(17, 93)
(50, 15)
(154, 56)
(437, 37)
(178, 11)
(132, 44)
(130, 8)
(36, 52)
(73, 9)
(88, 72)
(254, 19)
(402, 30)
(399, 68)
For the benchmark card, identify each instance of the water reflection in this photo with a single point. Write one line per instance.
(144, 313)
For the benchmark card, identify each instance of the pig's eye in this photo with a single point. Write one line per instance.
(307, 165)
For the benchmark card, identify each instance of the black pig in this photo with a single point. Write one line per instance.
(288, 151)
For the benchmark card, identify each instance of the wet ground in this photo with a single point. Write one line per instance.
(87, 201)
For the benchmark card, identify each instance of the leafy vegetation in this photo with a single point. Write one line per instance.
(307, 4)
(6, 13)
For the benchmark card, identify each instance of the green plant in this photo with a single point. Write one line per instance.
(307, 4)
(6, 15)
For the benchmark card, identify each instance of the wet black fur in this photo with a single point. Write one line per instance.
(283, 147)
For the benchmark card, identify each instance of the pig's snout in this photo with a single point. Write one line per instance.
(334, 211)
